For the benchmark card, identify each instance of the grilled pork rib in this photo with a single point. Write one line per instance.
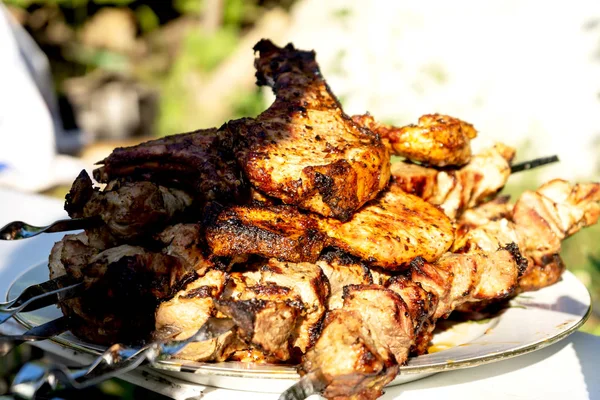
(304, 150)
(438, 140)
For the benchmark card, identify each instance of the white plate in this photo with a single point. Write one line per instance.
(532, 321)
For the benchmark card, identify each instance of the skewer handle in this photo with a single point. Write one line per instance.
(538, 162)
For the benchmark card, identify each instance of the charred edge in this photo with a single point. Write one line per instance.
(200, 292)
(270, 290)
(80, 193)
(243, 313)
(521, 261)
(417, 263)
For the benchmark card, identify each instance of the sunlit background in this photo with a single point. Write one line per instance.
(524, 72)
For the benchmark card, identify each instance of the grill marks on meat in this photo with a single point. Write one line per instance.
(270, 231)
(304, 150)
(127, 209)
(437, 139)
(392, 230)
(200, 161)
(342, 270)
(456, 190)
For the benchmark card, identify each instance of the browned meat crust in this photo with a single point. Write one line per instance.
(437, 139)
(270, 231)
(304, 150)
(199, 161)
(342, 270)
(392, 230)
(457, 190)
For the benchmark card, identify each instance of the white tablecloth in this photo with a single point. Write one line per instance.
(569, 369)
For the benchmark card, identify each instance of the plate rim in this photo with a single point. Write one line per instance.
(283, 372)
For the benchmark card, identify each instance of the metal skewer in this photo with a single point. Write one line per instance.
(538, 162)
(38, 296)
(41, 332)
(117, 360)
(17, 230)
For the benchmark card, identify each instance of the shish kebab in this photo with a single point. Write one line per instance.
(302, 96)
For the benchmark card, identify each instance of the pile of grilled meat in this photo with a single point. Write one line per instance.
(296, 225)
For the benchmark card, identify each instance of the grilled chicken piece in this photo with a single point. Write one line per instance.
(456, 190)
(188, 310)
(493, 210)
(342, 270)
(392, 230)
(270, 231)
(437, 139)
(128, 209)
(347, 361)
(201, 162)
(304, 150)
(186, 242)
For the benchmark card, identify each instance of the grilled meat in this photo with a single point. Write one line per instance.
(201, 162)
(342, 270)
(392, 230)
(456, 190)
(378, 327)
(188, 310)
(270, 231)
(304, 150)
(538, 222)
(438, 140)
(127, 209)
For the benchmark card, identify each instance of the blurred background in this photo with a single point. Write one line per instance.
(524, 72)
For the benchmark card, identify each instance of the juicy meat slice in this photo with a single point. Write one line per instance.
(493, 210)
(437, 139)
(200, 161)
(555, 211)
(304, 150)
(186, 242)
(349, 362)
(276, 304)
(456, 190)
(270, 231)
(460, 278)
(385, 314)
(342, 270)
(128, 209)
(188, 310)
(421, 306)
(392, 230)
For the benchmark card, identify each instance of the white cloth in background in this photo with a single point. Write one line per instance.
(29, 117)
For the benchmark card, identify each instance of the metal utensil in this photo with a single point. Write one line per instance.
(117, 360)
(17, 230)
(41, 295)
(537, 162)
(41, 332)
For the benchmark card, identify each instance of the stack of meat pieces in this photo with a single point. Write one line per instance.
(295, 225)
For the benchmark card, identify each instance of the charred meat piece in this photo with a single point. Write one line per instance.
(278, 306)
(128, 209)
(304, 150)
(349, 362)
(270, 231)
(438, 140)
(456, 190)
(186, 242)
(201, 162)
(392, 230)
(188, 310)
(342, 270)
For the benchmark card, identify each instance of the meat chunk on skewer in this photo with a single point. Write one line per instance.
(304, 150)
(392, 230)
(127, 209)
(437, 139)
(456, 190)
(342, 270)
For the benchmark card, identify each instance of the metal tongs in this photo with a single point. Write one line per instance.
(115, 361)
